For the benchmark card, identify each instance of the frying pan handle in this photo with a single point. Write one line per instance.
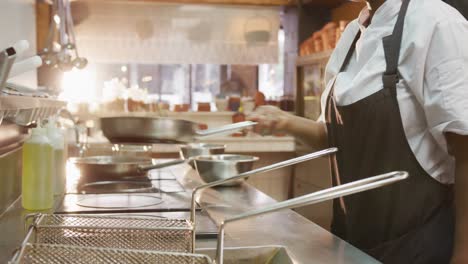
(160, 165)
(224, 129)
(313, 198)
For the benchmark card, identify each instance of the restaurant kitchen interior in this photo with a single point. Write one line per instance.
(125, 131)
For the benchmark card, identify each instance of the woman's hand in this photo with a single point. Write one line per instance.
(270, 119)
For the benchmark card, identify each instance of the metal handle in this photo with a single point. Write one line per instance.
(313, 198)
(160, 165)
(36, 217)
(275, 166)
(226, 128)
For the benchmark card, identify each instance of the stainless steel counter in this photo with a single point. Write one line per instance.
(12, 229)
(305, 241)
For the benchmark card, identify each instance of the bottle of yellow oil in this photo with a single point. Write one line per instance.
(37, 186)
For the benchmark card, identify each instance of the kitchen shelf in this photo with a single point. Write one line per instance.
(310, 72)
(248, 144)
(24, 110)
(314, 58)
(11, 102)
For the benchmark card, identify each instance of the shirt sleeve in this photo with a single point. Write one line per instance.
(446, 80)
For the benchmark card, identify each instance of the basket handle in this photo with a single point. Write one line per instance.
(275, 166)
(313, 198)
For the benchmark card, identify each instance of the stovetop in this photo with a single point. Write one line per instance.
(137, 202)
(162, 180)
(167, 195)
(167, 199)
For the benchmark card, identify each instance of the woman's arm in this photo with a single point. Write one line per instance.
(272, 119)
(458, 147)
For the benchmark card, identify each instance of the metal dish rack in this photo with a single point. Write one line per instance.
(49, 253)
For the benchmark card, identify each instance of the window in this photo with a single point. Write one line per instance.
(172, 83)
(205, 83)
(271, 76)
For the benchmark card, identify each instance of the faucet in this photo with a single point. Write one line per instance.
(81, 146)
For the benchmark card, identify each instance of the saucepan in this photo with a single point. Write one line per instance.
(130, 167)
(217, 167)
(198, 149)
(127, 129)
(192, 150)
(231, 170)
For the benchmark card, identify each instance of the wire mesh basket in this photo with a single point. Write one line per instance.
(48, 253)
(142, 233)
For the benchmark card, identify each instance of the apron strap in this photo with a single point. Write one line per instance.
(350, 52)
(392, 46)
(330, 99)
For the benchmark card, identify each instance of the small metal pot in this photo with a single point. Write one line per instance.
(189, 151)
(218, 167)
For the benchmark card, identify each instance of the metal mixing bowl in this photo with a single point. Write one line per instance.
(218, 167)
(200, 149)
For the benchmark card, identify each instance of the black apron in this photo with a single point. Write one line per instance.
(460, 5)
(408, 222)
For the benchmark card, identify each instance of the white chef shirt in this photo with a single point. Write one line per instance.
(433, 92)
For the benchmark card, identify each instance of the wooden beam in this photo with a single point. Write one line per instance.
(318, 3)
(323, 3)
(217, 2)
(42, 24)
(347, 11)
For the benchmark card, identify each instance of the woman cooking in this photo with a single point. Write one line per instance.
(397, 99)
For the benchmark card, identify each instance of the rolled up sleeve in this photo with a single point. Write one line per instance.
(446, 80)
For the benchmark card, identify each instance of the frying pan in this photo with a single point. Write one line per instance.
(130, 167)
(128, 129)
(115, 167)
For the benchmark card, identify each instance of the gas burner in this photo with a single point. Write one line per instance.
(119, 201)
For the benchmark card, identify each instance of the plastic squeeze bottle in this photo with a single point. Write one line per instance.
(57, 141)
(37, 185)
